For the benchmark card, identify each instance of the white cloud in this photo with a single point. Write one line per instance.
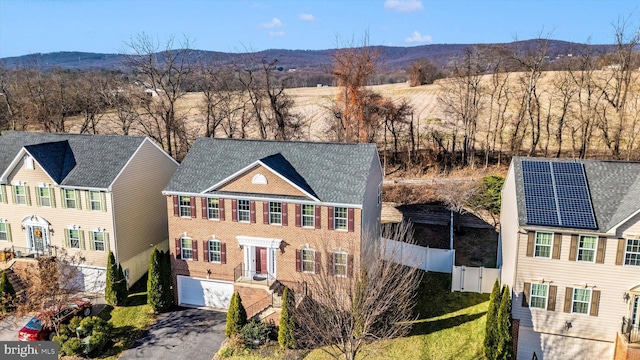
(403, 5)
(416, 37)
(306, 17)
(274, 23)
(276, 33)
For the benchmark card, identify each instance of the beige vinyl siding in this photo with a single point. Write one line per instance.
(560, 346)
(139, 206)
(611, 280)
(630, 229)
(509, 230)
(59, 218)
(370, 207)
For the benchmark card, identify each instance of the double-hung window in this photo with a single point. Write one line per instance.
(21, 194)
(340, 264)
(215, 254)
(98, 239)
(581, 301)
(275, 213)
(308, 216)
(186, 249)
(244, 211)
(70, 198)
(544, 242)
(95, 200)
(632, 252)
(185, 206)
(213, 208)
(340, 218)
(74, 238)
(587, 248)
(44, 196)
(4, 232)
(539, 295)
(308, 260)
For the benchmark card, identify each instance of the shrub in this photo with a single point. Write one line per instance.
(257, 330)
(99, 329)
(159, 293)
(286, 334)
(7, 293)
(491, 332)
(236, 315)
(116, 285)
(73, 346)
(505, 342)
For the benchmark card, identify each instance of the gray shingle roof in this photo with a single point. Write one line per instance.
(614, 187)
(333, 172)
(98, 158)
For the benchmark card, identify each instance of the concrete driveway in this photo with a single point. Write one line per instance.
(9, 327)
(193, 334)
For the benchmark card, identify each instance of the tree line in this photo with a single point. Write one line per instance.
(494, 102)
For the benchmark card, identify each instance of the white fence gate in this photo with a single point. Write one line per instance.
(425, 258)
(473, 279)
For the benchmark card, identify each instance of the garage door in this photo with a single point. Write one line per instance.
(203, 292)
(88, 279)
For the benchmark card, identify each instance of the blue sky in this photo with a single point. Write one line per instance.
(32, 26)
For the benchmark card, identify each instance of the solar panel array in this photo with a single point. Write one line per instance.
(556, 194)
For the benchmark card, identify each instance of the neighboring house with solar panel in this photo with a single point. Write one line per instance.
(88, 194)
(570, 236)
(265, 212)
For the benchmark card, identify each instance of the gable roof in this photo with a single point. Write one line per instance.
(79, 160)
(614, 187)
(334, 172)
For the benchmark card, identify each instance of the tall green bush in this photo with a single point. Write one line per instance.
(491, 329)
(116, 285)
(236, 316)
(7, 293)
(505, 335)
(166, 278)
(159, 294)
(286, 333)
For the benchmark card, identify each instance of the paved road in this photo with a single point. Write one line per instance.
(192, 334)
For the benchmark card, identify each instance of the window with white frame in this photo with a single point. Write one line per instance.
(632, 252)
(581, 301)
(275, 213)
(74, 238)
(215, 254)
(213, 208)
(587, 248)
(244, 210)
(340, 264)
(4, 232)
(186, 249)
(70, 198)
(308, 216)
(544, 241)
(21, 194)
(98, 239)
(185, 206)
(44, 194)
(95, 200)
(539, 295)
(340, 218)
(308, 260)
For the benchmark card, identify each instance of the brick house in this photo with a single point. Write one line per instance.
(88, 194)
(570, 236)
(257, 212)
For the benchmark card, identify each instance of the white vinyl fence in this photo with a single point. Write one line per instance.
(425, 258)
(473, 279)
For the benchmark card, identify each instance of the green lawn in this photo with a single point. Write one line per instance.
(449, 325)
(129, 320)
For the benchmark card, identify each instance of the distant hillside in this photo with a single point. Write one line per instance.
(392, 57)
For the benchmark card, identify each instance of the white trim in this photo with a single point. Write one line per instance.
(595, 249)
(614, 228)
(259, 242)
(573, 296)
(535, 244)
(261, 198)
(546, 297)
(110, 187)
(35, 220)
(4, 177)
(248, 167)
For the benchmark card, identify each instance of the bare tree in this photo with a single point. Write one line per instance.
(347, 315)
(423, 71)
(165, 73)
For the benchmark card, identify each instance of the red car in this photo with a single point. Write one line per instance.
(35, 331)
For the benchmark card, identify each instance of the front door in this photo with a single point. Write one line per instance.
(37, 238)
(261, 260)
